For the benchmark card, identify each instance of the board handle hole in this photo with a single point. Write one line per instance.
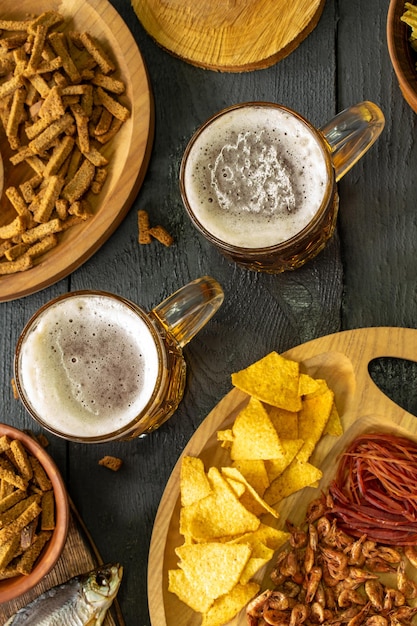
(397, 379)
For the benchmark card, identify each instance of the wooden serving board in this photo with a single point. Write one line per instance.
(79, 556)
(229, 35)
(342, 359)
(128, 152)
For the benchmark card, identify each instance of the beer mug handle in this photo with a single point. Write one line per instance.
(351, 133)
(185, 312)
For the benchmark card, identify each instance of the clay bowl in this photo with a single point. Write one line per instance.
(403, 58)
(14, 587)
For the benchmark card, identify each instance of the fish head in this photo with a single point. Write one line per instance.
(101, 585)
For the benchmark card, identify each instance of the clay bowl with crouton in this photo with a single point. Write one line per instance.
(403, 56)
(41, 526)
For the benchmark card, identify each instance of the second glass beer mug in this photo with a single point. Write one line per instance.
(260, 182)
(91, 366)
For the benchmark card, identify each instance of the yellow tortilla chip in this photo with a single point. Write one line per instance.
(187, 591)
(334, 425)
(255, 437)
(194, 483)
(307, 384)
(273, 379)
(264, 535)
(312, 420)
(225, 435)
(226, 607)
(238, 487)
(257, 508)
(216, 566)
(275, 467)
(297, 476)
(255, 473)
(254, 502)
(257, 560)
(260, 550)
(285, 422)
(219, 514)
(321, 387)
(186, 515)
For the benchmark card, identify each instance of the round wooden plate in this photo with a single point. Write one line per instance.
(229, 36)
(342, 360)
(128, 152)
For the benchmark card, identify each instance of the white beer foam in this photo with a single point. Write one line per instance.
(249, 176)
(256, 176)
(89, 366)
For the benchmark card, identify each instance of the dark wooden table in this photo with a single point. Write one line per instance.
(366, 276)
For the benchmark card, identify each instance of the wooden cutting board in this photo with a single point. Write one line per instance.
(342, 359)
(79, 556)
(229, 35)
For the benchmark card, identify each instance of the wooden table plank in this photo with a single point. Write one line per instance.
(377, 213)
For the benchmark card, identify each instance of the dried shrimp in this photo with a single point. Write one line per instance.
(325, 575)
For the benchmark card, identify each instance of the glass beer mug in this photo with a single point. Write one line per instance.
(259, 181)
(91, 366)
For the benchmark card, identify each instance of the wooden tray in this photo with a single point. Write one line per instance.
(129, 152)
(79, 556)
(228, 36)
(342, 359)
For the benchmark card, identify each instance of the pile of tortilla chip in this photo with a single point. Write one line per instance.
(225, 542)
(274, 436)
(270, 443)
